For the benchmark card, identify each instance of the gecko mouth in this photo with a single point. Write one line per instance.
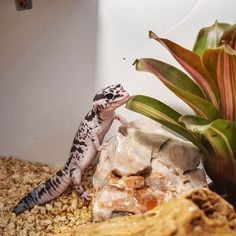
(119, 103)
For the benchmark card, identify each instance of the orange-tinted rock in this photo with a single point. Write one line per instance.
(198, 213)
(143, 167)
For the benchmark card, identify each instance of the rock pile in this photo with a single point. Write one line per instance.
(143, 166)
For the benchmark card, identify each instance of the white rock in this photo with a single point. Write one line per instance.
(143, 166)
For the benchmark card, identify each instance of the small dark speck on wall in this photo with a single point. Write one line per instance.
(124, 58)
(23, 5)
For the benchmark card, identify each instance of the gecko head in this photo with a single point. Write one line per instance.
(110, 98)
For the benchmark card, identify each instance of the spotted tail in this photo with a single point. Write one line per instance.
(45, 192)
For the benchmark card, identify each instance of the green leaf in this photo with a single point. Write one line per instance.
(221, 62)
(163, 114)
(192, 63)
(220, 138)
(153, 108)
(181, 85)
(209, 37)
(229, 37)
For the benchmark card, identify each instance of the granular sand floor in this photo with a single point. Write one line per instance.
(17, 178)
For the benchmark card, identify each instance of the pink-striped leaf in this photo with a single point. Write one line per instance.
(222, 64)
(192, 63)
(169, 75)
(181, 85)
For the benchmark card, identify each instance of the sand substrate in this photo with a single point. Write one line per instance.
(17, 178)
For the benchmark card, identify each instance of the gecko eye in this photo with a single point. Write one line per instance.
(109, 95)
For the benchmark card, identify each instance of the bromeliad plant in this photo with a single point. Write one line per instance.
(210, 92)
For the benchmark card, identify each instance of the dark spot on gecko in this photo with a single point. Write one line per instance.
(28, 200)
(73, 149)
(59, 173)
(90, 116)
(58, 180)
(117, 86)
(68, 162)
(41, 192)
(88, 131)
(54, 183)
(116, 96)
(77, 142)
(80, 150)
(48, 187)
(51, 185)
(98, 96)
(72, 170)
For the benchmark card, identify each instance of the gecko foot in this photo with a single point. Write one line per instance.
(103, 147)
(86, 195)
(122, 120)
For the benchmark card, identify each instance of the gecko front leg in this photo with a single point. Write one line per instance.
(122, 119)
(97, 144)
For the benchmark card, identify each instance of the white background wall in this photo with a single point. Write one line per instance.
(47, 72)
(55, 56)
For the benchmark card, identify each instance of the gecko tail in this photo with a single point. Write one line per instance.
(45, 192)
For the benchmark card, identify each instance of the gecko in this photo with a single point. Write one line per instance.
(86, 144)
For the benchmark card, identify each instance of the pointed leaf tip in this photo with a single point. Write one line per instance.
(152, 35)
(209, 37)
(135, 62)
